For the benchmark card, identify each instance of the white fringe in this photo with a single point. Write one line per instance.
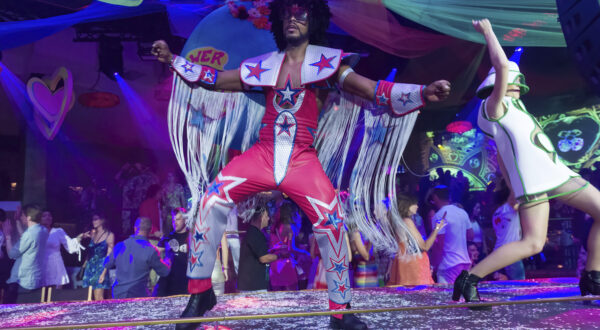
(370, 184)
(202, 151)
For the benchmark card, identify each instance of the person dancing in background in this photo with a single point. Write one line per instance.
(55, 273)
(101, 245)
(413, 269)
(532, 169)
(282, 272)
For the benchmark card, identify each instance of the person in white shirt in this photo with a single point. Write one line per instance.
(55, 273)
(507, 226)
(451, 242)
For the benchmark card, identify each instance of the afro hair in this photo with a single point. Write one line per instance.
(318, 20)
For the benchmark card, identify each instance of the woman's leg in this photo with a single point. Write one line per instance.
(534, 226)
(98, 294)
(588, 201)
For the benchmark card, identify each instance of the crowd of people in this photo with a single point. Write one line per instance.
(275, 250)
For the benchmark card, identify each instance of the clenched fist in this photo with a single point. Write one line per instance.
(437, 91)
(161, 50)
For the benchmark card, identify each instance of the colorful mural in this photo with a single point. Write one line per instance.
(469, 152)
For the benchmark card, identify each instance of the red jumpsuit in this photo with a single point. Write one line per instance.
(283, 159)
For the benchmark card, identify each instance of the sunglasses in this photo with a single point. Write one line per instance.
(299, 14)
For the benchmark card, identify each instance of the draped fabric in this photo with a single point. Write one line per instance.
(516, 22)
(370, 22)
(18, 33)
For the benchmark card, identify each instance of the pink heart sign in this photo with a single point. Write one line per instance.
(51, 102)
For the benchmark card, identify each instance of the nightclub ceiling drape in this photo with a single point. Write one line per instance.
(520, 23)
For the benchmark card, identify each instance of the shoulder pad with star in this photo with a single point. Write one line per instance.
(263, 70)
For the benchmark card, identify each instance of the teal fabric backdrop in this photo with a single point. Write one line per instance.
(516, 22)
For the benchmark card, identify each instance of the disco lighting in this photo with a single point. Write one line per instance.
(110, 56)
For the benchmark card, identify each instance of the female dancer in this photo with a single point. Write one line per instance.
(533, 170)
(413, 270)
(101, 245)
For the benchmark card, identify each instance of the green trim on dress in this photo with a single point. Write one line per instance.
(524, 200)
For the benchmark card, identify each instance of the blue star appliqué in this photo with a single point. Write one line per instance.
(198, 236)
(382, 99)
(288, 94)
(188, 67)
(338, 266)
(312, 132)
(215, 188)
(377, 134)
(285, 127)
(405, 98)
(332, 219)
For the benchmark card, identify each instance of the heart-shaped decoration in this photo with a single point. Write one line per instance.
(51, 101)
(573, 137)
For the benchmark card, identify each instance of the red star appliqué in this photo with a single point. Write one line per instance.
(256, 71)
(341, 288)
(195, 260)
(326, 225)
(323, 63)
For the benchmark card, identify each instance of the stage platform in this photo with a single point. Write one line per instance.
(555, 315)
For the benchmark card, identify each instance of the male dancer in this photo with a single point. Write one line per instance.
(284, 159)
(533, 170)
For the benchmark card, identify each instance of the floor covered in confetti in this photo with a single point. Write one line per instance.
(563, 315)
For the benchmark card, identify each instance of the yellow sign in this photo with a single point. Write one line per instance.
(208, 56)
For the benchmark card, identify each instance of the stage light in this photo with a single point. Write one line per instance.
(110, 56)
(13, 186)
(516, 56)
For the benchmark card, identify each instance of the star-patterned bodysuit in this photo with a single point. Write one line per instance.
(283, 159)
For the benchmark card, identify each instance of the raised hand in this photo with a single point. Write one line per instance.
(437, 91)
(440, 224)
(482, 26)
(161, 50)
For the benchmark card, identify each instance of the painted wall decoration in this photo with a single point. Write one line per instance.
(222, 40)
(469, 152)
(226, 37)
(51, 99)
(99, 99)
(575, 135)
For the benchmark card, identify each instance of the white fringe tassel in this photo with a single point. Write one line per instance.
(201, 148)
